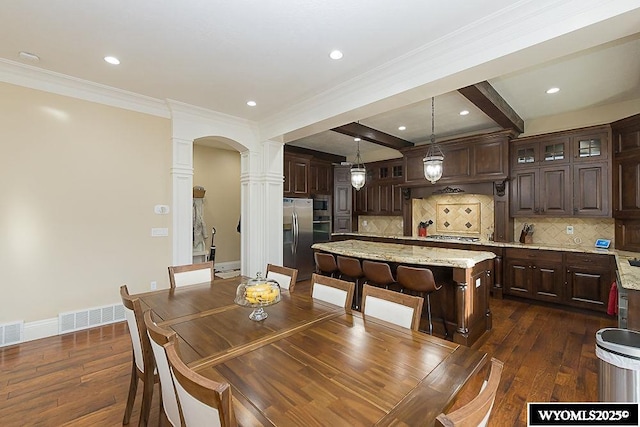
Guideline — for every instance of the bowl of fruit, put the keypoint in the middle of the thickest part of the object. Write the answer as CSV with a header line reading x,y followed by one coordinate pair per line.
x,y
258,293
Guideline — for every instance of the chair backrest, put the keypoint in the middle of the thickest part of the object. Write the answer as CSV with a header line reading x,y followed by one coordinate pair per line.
x,y
378,273
285,276
349,266
158,337
416,279
332,290
182,275
137,329
202,400
393,307
325,263
478,410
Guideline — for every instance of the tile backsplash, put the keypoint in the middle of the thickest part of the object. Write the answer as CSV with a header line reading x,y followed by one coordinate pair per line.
x,y
458,214
383,225
553,231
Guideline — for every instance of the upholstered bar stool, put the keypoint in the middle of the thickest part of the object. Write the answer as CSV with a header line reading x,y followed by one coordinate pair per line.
x,y
378,274
421,282
350,269
325,264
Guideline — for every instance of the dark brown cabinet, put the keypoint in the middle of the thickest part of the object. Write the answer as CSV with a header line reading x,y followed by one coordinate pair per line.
x,y
588,280
534,274
568,278
342,199
480,158
296,175
382,193
321,177
561,174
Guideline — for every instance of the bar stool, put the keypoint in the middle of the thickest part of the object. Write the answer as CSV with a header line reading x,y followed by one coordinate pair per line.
x,y
421,282
350,268
325,264
378,274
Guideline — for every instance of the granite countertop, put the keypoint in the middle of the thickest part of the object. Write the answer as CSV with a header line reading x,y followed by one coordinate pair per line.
x,y
397,252
629,275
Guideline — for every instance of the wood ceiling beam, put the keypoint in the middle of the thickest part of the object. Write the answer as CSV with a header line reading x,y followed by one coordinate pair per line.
x,y
369,134
485,97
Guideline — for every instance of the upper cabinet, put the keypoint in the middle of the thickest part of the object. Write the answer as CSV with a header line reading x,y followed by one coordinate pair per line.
x,y
382,193
296,175
479,158
321,177
562,174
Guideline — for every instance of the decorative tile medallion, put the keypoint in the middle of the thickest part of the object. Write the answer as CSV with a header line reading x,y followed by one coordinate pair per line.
x,y
458,217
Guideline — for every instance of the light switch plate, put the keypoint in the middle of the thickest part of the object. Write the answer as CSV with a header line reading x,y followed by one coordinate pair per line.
x,y
159,232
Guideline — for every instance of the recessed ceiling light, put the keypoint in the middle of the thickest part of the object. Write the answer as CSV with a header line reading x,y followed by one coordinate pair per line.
x,y
251,103
29,56
553,90
112,60
335,54
402,128
357,139
464,112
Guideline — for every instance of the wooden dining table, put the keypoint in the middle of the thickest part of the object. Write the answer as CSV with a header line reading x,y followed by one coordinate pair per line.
x,y
312,363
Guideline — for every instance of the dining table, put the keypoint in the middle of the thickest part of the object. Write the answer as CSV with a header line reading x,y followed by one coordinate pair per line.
x,y
310,362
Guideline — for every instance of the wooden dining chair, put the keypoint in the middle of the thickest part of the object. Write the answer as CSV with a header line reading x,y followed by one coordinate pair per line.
x,y
143,366
478,410
393,307
285,276
203,402
183,275
332,290
158,337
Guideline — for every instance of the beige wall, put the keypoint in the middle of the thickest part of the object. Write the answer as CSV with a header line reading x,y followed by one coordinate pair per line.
x,y
79,181
218,171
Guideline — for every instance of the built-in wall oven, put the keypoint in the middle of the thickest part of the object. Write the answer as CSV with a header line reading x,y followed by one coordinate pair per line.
x,y
321,218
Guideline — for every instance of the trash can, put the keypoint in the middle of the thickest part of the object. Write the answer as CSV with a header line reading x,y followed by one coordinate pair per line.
x,y
619,365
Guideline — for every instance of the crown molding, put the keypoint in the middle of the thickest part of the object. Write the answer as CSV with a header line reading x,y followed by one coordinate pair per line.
x,y
61,84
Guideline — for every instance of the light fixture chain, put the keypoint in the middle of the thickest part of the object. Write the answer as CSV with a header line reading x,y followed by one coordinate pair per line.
x,y
433,120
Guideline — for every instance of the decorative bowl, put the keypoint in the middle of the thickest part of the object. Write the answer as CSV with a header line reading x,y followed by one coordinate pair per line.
x,y
258,293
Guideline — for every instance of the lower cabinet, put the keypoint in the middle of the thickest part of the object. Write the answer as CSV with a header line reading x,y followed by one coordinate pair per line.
x,y
574,279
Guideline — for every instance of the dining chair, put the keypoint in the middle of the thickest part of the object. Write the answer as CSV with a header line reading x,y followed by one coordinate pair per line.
x,y
203,402
143,366
421,282
325,264
285,276
477,411
182,275
332,290
393,307
158,337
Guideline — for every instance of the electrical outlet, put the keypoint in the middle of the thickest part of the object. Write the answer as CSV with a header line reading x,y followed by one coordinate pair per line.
x,y
569,229
154,285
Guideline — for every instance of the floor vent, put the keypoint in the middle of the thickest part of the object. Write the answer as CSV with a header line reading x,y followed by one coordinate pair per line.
x,y
83,319
11,333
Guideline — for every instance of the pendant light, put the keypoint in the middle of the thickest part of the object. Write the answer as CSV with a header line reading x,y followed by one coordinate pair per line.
x,y
434,158
358,171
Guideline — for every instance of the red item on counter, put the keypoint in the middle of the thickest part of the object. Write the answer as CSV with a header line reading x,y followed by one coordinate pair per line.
x,y
422,232
612,307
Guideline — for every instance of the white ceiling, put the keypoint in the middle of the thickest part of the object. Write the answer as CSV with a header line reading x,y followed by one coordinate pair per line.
x,y
218,54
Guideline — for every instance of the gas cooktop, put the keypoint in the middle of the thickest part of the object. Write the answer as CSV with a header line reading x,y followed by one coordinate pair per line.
x,y
454,238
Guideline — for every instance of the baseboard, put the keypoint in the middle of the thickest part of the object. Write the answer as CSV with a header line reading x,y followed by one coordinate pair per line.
x,y
226,266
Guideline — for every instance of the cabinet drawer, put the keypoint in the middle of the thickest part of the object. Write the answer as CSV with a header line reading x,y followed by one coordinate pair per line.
x,y
533,254
591,260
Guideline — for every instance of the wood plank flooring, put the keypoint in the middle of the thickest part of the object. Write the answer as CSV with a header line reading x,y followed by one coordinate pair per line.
x,y
82,379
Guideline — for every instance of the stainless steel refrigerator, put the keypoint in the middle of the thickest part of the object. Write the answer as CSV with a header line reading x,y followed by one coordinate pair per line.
x,y
298,236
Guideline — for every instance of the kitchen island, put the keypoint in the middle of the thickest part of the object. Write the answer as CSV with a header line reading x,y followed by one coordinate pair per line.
x,y
467,276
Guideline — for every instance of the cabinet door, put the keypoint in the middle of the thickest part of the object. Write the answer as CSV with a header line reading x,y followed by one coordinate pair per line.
x,y
626,185
547,280
342,224
555,192
490,159
589,280
590,147
524,193
296,176
384,199
396,199
321,178
591,189
456,164
518,277
360,201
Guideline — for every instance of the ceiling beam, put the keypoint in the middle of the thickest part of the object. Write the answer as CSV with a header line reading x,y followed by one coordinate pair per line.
x,y
369,134
321,155
485,97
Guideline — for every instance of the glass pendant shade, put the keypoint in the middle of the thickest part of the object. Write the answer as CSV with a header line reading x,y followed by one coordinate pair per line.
x,y
358,172
435,157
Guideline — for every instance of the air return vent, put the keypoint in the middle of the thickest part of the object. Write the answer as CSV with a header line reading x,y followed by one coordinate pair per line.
x,y
11,333
83,319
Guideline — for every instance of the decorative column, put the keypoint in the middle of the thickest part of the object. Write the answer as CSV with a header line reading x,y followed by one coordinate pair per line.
x,y
182,180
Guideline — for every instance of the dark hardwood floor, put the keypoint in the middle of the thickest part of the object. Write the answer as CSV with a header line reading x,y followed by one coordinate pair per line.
x,y
82,379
